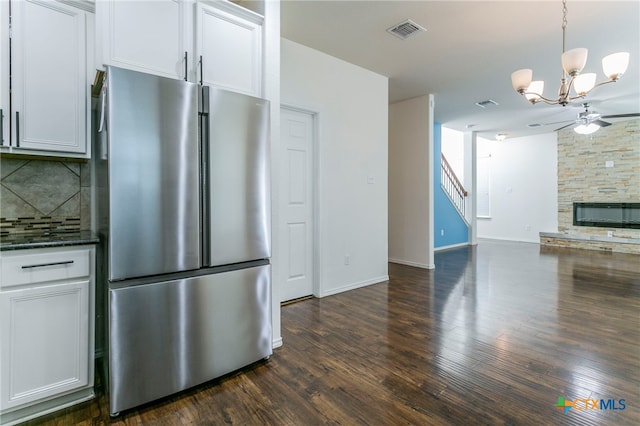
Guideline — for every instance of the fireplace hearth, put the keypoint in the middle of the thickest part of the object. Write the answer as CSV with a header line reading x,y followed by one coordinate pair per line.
x,y
607,215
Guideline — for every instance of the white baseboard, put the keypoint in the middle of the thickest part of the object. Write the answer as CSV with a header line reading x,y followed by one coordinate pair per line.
x,y
276,343
452,246
414,264
355,285
515,240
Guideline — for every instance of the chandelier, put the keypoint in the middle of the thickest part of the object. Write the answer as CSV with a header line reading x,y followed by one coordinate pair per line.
x,y
573,61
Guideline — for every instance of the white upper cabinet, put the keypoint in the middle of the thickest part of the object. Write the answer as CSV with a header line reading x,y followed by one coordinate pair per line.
x,y
213,42
146,36
229,41
49,87
48,76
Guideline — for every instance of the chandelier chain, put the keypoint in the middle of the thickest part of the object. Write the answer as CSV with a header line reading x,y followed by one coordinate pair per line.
x,y
564,23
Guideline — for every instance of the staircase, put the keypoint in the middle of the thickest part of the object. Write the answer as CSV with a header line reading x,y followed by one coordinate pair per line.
x,y
453,188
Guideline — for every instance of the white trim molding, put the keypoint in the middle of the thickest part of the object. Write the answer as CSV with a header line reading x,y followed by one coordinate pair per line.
x,y
354,286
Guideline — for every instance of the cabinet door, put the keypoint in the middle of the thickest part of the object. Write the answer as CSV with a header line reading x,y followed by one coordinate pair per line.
x,y
230,44
4,73
146,36
44,342
48,73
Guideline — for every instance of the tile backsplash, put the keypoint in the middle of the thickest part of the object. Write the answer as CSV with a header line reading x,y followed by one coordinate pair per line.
x,y
44,195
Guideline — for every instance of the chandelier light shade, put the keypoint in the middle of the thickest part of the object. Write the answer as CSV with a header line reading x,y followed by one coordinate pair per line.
x,y
584,83
573,62
534,91
615,65
521,80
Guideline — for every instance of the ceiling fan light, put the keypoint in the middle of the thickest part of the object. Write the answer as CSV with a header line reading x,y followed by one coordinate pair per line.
x,y
521,79
586,130
534,91
584,83
574,60
615,65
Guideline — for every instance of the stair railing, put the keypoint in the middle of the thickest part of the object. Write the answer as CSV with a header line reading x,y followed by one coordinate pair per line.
x,y
453,187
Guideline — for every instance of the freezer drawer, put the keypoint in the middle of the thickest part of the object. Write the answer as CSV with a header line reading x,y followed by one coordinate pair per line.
x,y
239,197
168,336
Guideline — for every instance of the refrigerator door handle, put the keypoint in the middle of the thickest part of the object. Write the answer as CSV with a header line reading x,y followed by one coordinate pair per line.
x,y
103,102
17,129
205,226
201,74
186,62
1,128
102,142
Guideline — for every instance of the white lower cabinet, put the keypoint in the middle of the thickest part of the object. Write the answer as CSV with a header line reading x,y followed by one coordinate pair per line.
x,y
46,330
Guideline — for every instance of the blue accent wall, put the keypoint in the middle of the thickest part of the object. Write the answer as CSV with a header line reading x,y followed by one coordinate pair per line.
x,y
446,217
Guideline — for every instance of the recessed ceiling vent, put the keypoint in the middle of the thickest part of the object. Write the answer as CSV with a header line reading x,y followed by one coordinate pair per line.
x,y
534,125
487,104
406,29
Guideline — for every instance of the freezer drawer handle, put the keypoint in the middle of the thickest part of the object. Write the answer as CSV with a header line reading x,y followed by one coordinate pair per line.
x,y
41,265
1,128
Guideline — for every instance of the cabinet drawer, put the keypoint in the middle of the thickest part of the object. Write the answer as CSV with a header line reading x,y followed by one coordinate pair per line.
x,y
37,266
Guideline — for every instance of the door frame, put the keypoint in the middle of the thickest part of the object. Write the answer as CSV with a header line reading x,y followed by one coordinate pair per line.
x,y
315,188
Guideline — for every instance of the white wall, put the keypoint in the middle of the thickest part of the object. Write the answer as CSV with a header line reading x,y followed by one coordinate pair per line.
x,y
271,86
352,108
453,148
523,187
411,182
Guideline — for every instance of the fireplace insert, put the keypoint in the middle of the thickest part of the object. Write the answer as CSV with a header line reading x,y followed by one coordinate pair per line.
x,y
607,215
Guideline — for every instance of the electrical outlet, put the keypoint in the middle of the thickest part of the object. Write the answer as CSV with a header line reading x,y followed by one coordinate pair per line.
x,y
347,259
442,232
609,233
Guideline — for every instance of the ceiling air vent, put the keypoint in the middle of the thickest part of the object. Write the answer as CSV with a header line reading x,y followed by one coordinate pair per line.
x,y
533,125
406,29
487,104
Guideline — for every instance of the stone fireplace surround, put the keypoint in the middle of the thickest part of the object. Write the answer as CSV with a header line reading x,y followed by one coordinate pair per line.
x,y
601,167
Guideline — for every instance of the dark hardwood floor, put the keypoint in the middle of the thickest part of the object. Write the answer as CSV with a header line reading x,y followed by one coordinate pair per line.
x,y
494,335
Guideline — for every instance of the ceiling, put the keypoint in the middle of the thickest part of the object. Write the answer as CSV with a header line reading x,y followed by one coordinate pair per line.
x,y
471,48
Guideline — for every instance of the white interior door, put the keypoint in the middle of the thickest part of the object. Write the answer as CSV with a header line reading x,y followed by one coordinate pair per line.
x,y
297,195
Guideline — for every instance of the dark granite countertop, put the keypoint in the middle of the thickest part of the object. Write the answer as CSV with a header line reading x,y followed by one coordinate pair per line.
x,y
47,239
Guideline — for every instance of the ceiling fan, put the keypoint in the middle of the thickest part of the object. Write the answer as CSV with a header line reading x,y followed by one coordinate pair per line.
x,y
589,121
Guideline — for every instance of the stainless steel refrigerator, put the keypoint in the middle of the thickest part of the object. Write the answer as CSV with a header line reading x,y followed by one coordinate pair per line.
x,y
184,216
